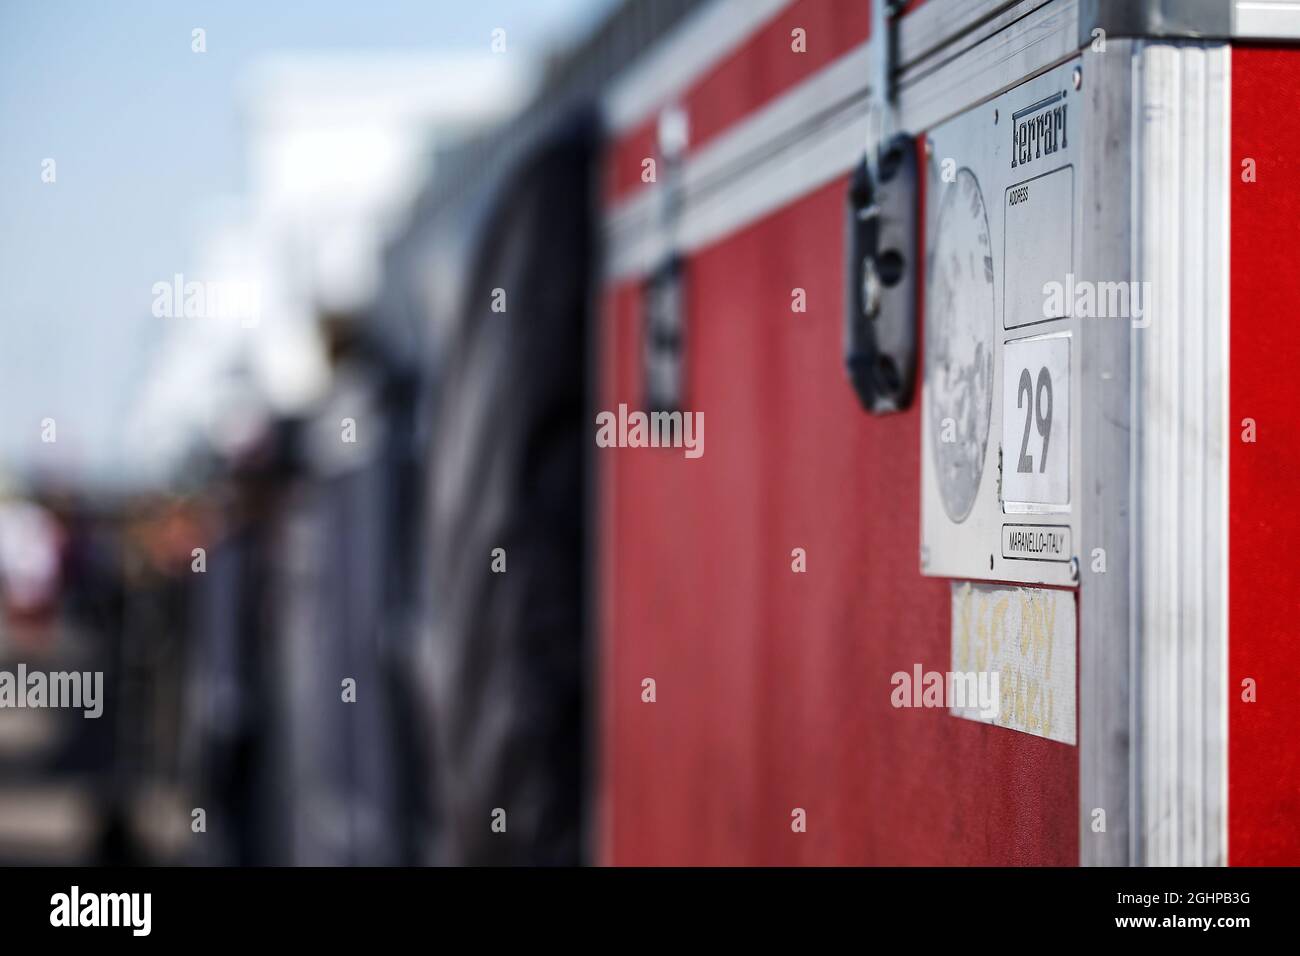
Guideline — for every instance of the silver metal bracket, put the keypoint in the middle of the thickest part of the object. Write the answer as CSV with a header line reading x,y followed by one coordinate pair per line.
x,y
1188,19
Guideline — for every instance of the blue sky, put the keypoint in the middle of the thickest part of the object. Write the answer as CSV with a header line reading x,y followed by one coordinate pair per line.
x,y
144,132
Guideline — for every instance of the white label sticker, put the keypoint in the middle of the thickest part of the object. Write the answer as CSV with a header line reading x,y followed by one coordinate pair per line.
x,y
1036,423
1039,238
1019,645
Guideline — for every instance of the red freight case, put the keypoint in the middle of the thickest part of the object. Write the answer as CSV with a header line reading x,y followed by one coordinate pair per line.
x,y
979,311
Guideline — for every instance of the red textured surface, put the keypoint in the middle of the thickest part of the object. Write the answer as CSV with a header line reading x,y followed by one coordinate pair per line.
x,y
773,687
1264,522
759,70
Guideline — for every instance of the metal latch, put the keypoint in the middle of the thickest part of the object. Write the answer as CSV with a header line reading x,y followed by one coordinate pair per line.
x,y
881,249
663,296
664,320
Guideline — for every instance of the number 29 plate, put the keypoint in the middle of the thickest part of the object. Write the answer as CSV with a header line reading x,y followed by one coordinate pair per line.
x,y
1003,417
1036,424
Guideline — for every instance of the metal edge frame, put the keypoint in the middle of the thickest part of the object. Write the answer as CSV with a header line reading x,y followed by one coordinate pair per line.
x,y
818,130
1192,19
1017,51
939,23
793,145
1266,19
696,45
804,138
931,29
927,42
1104,644
942,45
1181,121
1155,18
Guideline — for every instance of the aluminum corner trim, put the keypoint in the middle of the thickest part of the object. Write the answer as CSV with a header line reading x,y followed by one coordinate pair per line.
x,y
1186,19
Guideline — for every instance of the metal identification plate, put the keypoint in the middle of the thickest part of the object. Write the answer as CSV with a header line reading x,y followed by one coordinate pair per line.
x,y
1000,449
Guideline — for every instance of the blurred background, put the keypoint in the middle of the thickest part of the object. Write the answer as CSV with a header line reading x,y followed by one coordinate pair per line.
x,y
256,438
